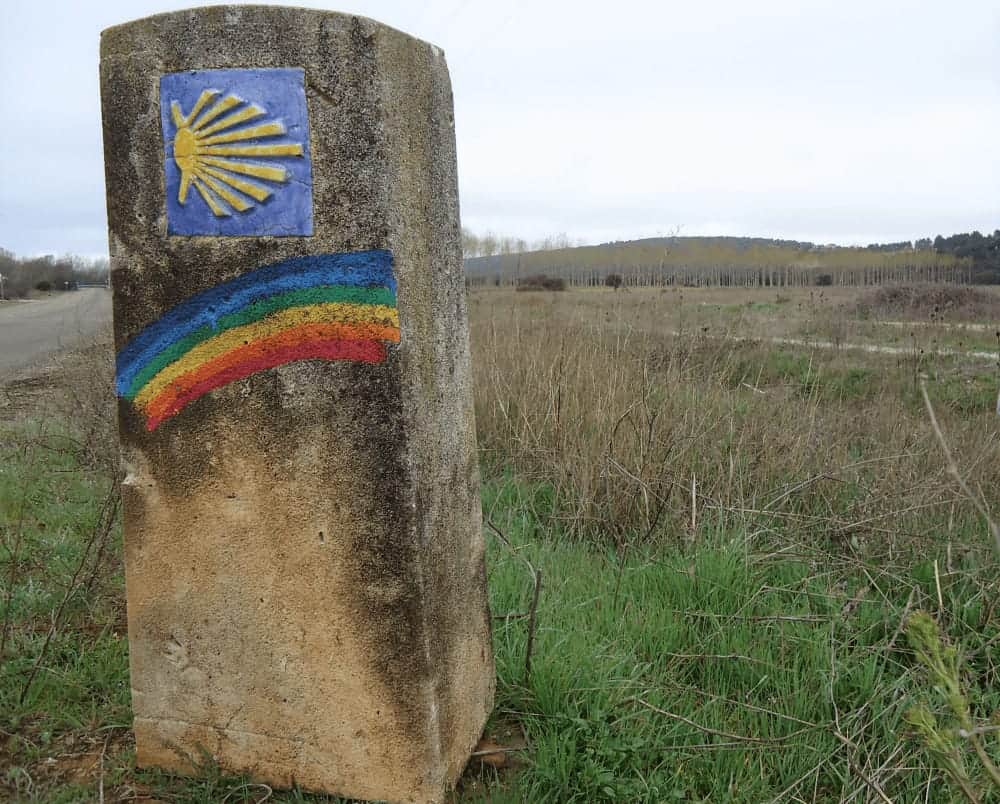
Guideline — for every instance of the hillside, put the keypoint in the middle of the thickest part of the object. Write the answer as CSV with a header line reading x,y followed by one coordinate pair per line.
x,y
724,261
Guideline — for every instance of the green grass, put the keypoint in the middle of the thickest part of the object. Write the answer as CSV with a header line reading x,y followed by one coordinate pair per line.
x,y
936,337
732,664
751,659
829,377
821,376
50,507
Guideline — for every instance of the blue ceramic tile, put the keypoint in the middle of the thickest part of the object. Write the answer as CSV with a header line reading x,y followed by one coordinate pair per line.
x,y
236,152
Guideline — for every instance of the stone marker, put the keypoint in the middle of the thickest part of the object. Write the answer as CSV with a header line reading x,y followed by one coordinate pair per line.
x,y
304,559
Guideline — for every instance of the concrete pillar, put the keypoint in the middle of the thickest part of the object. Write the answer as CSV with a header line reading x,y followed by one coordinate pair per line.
x,y
304,559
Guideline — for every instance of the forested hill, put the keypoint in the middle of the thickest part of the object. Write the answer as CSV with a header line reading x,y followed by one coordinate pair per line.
x,y
746,262
738,243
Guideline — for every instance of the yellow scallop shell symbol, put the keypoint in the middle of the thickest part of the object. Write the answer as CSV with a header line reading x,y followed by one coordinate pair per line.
x,y
213,156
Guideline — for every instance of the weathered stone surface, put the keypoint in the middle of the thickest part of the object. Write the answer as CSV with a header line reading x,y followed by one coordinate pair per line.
x,y
304,560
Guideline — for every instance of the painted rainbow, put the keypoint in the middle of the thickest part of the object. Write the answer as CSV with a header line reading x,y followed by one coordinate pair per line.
x,y
321,307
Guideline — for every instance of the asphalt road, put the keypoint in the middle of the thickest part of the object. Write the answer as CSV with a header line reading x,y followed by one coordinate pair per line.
x,y
33,330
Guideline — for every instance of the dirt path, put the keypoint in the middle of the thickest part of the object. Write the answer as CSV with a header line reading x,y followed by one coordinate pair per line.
x,y
879,349
31,331
972,354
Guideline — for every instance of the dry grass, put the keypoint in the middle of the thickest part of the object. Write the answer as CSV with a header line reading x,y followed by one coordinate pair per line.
x,y
75,388
645,432
931,303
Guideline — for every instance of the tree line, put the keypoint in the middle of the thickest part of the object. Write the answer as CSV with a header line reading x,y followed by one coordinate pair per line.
x,y
503,260
23,275
983,251
738,262
491,243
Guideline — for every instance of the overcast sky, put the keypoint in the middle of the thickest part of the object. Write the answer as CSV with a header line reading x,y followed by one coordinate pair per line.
x,y
844,121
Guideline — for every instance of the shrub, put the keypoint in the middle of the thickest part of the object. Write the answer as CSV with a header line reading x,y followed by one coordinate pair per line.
x,y
932,302
541,282
44,286
613,281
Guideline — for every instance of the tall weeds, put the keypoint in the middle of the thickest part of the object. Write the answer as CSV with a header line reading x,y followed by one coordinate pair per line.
x,y
654,431
639,425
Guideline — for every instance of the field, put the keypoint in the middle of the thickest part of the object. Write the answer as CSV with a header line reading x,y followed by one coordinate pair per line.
x,y
739,511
